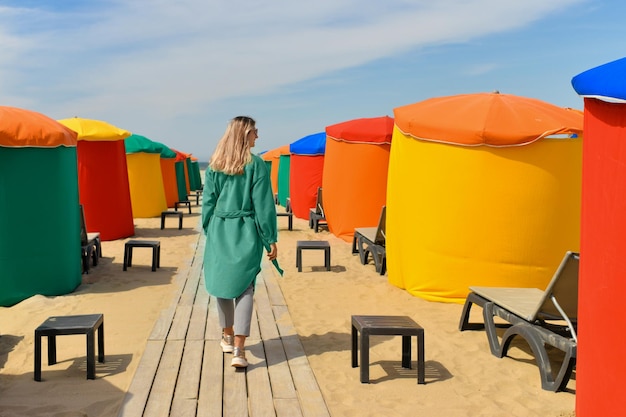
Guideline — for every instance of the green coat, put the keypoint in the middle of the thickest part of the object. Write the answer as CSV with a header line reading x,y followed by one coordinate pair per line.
x,y
239,220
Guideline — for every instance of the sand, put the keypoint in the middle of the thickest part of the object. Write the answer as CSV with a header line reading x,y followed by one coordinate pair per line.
x,y
462,377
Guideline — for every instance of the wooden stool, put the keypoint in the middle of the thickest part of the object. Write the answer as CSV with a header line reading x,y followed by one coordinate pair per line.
x,y
172,213
63,325
182,203
387,325
312,244
156,252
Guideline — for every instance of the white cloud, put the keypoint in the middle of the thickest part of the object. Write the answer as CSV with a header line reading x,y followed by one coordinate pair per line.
x,y
165,57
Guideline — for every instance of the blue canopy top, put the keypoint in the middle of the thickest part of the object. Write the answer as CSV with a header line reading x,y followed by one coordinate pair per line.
x,y
314,144
606,82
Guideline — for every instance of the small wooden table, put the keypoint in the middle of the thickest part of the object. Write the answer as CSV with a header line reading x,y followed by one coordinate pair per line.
x,y
156,252
63,325
312,244
387,325
172,213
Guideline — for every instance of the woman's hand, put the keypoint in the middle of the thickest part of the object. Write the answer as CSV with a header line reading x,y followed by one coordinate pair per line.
x,y
273,252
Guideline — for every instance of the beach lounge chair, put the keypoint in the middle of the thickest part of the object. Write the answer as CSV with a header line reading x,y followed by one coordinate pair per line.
x,y
542,318
316,214
91,246
371,240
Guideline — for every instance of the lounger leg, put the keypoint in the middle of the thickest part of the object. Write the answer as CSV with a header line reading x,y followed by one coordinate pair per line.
x,y
464,324
490,328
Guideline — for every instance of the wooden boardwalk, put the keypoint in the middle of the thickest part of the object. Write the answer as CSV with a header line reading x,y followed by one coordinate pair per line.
x,y
183,371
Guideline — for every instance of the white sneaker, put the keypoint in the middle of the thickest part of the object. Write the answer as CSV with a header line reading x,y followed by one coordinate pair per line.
x,y
239,358
227,343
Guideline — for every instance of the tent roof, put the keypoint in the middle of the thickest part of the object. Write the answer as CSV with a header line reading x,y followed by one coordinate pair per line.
x,y
314,144
25,128
375,130
605,82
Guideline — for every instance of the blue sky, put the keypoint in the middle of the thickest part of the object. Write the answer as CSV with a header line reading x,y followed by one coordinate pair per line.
x,y
178,71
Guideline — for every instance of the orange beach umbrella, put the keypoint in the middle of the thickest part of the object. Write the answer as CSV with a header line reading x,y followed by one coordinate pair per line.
x,y
491,119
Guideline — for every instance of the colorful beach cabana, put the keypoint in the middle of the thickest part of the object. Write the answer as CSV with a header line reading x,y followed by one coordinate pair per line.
x,y
601,287
182,175
273,156
355,173
168,171
40,239
307,167
284,172
145,179
103,177
484,190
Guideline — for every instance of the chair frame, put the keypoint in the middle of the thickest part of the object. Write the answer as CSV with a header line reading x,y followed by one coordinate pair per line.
x,y
371,240
91,246
537,328
317,217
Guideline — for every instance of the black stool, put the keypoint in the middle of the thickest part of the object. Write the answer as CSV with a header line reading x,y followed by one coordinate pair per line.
x,y
312,244
182,203
387,325
156,252
62,325
172,213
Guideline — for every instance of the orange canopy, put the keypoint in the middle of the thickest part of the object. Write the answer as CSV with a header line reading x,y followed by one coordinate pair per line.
x,y
492,119
26,128
274,156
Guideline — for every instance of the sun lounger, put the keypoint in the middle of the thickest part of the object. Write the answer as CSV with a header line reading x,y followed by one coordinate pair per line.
x,y
316,214
542,318
91,246
368,240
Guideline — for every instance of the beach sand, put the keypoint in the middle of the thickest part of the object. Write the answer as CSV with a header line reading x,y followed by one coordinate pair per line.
x,y
462,377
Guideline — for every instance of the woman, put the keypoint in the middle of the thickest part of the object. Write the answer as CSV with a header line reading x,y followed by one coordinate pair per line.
x,y
239,220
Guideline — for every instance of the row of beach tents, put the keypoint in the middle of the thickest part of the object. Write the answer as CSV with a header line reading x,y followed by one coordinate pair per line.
x,y
48,168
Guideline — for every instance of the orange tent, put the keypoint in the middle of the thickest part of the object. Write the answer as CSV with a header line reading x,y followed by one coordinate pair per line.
x,y
274,157
355,173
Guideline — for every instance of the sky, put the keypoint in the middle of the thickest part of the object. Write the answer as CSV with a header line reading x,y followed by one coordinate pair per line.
x,y
178,71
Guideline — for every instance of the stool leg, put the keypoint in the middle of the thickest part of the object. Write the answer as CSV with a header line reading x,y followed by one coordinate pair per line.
x,y
125,258
162,221
365,356
355,337
180,222
406,352
291,222
421,371
101,343
37,375
154,258
190,207
327,258
299,259
159,256
91,355
130,256
52,350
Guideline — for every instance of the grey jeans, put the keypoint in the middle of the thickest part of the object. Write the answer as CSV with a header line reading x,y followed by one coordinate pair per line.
x,y
237,312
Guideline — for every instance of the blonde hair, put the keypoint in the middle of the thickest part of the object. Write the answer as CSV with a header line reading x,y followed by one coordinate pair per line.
x,y
233,150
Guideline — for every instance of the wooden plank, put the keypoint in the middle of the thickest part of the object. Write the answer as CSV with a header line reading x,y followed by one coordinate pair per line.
x,y
162,326
270,276
278,370
184,407
255,333
189,375
309,393
259,389
287,407
213,329
180,323
235,395
211,380
139,389
162,392
265,315
197,324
